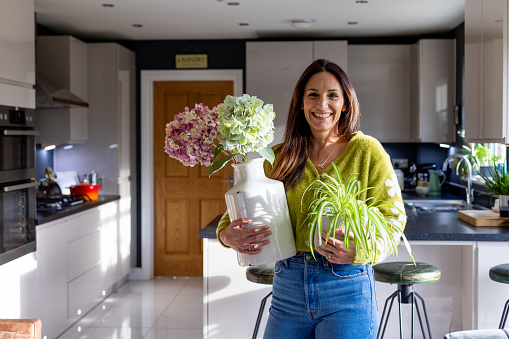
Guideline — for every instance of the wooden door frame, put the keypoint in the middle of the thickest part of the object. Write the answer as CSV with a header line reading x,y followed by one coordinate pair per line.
x,y
146,271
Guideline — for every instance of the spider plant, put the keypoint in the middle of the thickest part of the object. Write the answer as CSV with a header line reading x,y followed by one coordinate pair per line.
x,y
497,180
341,205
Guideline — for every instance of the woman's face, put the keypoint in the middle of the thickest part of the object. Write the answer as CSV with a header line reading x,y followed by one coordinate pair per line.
x,y
323,102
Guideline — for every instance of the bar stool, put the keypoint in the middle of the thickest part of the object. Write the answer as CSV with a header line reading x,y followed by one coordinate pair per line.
x,y
500,273
260,274
405,274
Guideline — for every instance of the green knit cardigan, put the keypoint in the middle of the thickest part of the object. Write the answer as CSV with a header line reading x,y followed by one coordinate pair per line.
x,y
365,158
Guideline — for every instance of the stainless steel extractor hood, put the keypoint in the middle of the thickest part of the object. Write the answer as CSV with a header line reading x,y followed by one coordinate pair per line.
x,y
49,95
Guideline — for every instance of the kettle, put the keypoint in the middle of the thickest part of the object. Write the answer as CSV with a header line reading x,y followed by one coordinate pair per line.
x,y
436,180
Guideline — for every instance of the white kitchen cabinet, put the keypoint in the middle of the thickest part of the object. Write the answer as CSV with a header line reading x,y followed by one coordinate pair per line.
x,y
273,68
77,265
406,92
110,148
486,48
381,76
433,91
63,60
17,53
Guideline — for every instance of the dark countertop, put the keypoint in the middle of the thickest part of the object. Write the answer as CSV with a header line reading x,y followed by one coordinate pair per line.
x,y
442,226
51,215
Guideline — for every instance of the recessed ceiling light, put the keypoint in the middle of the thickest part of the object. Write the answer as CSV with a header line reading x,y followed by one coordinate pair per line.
x,y
302,23
243,24
361,2
108,5
352,22
137,25
233,3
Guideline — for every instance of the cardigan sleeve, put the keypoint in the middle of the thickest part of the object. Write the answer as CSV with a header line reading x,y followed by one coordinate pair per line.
x,y
385,194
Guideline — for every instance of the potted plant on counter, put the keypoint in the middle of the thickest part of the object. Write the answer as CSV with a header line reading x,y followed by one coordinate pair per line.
x,y
497,181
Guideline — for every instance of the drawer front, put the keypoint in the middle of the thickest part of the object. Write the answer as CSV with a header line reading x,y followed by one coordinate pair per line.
x,y
84,292
83,254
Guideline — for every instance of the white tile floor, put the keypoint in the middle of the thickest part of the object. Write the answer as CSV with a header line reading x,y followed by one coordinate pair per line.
x,y
154,309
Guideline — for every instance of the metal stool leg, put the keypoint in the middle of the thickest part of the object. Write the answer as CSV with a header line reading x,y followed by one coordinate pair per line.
x,y
504,315
391,297
425,315
260,314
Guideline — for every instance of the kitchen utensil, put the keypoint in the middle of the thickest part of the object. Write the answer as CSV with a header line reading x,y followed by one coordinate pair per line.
x,y
48,187
482,218
436,179
92,191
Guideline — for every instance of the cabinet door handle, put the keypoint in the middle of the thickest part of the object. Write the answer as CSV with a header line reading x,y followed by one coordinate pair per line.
x,y
20,132
21,186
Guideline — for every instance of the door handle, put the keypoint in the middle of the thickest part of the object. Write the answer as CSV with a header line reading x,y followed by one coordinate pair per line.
x,y
21,186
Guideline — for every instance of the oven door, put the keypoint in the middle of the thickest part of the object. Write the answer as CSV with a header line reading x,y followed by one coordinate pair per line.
x,y
17,154
17,219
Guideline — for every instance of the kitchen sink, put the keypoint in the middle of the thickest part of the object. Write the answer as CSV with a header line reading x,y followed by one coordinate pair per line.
x,y
415,207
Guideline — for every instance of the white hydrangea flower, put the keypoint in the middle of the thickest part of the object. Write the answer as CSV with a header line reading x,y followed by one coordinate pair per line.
x,y
393,186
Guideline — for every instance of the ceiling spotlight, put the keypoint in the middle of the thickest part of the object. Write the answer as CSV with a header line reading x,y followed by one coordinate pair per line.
x,y
233,3
352,22
243,24
108,5
361,2
302,23
137,25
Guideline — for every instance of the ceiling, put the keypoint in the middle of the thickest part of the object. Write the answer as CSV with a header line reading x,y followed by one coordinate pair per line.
x,y
225,19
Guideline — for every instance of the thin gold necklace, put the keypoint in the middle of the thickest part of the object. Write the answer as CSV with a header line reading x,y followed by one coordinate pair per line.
x,y
323,163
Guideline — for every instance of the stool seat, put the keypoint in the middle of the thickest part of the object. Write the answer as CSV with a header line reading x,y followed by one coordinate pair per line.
x,y
406,273
500,273
261,274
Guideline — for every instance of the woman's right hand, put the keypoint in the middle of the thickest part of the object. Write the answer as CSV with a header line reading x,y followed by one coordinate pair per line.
x,y
247,241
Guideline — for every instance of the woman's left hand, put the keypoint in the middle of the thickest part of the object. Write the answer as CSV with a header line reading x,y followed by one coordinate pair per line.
x,y
335,249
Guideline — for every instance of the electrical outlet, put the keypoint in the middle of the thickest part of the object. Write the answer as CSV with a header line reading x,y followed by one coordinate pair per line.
x,y
400,163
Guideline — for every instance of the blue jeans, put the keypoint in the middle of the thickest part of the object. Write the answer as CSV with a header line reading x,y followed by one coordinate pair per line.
x,y
316,299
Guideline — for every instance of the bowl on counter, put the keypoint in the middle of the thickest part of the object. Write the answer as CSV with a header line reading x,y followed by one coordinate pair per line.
x,y
422,190
90,190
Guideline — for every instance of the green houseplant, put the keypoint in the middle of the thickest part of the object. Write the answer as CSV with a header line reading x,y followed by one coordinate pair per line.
x,y
340,204
497,180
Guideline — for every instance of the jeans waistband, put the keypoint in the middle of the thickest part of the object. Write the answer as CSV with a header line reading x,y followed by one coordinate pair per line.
x,y
310,260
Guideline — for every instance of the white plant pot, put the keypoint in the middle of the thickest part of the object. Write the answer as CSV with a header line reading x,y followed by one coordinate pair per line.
x,y
262,200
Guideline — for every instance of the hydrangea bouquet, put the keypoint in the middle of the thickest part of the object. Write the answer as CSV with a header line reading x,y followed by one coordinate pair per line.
x,y
239,125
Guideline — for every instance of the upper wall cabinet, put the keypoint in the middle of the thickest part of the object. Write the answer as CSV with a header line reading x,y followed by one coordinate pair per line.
x,y
433,91
406,92
63,60
17,53
381,76
273,68
486,116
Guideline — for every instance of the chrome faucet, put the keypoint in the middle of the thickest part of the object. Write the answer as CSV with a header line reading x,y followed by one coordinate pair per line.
x,y
470,196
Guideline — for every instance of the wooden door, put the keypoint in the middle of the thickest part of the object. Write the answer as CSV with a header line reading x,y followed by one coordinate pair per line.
x,y
185,198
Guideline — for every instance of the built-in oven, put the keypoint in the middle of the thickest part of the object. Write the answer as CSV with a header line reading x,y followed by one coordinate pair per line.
x,y
17,182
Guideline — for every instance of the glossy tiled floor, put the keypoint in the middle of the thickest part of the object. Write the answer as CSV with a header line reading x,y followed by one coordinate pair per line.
x,y
155,309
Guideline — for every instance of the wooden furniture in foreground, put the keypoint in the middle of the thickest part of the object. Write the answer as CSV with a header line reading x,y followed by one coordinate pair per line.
x,y
20,328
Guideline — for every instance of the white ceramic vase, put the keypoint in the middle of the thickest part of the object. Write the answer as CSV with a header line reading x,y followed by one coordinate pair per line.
x,y
263,200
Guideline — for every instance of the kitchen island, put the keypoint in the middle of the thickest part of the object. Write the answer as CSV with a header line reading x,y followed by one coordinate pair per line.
x,y
464,298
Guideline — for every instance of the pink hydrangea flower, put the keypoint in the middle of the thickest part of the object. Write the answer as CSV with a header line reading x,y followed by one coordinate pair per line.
x,y
190,136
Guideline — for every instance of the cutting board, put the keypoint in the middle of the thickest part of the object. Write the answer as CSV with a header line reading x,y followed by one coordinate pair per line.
x,y
483,218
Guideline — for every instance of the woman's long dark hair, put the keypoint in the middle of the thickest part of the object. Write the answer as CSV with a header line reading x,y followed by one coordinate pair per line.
x,y
289,166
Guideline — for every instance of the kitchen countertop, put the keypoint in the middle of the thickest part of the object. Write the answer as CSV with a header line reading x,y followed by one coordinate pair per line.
x,y
51,215
441,226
